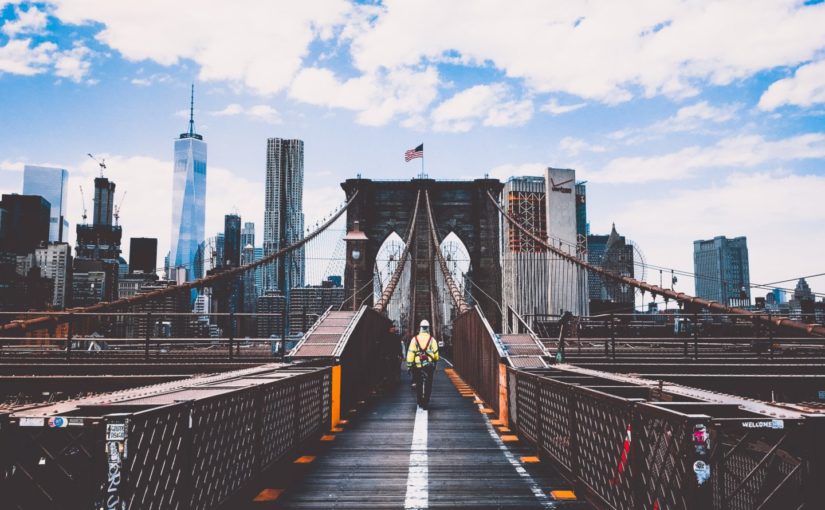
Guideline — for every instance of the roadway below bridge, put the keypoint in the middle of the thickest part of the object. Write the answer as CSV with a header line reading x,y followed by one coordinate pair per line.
x,y
389,454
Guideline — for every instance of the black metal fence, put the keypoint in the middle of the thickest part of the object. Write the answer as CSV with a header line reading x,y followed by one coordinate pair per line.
x,y
190,447
636,447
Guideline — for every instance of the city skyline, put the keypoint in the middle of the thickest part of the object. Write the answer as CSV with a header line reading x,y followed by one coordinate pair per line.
x,y
736,146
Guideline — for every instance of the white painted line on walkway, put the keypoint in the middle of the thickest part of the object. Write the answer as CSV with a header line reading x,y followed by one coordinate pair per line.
x,y
418,476
531,483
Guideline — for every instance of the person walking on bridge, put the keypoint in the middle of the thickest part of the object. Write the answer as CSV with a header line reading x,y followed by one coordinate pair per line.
x,y
422,357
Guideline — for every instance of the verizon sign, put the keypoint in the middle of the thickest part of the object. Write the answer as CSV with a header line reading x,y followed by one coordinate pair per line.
x,y
559,186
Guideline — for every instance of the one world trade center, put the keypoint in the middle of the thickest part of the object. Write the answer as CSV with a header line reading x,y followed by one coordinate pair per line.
x,y
188,203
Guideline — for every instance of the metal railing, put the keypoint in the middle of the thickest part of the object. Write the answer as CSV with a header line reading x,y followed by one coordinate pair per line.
x,y
154,335
190,444
635,446
477,354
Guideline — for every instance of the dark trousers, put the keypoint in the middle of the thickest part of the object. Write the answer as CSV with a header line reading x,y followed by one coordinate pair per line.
x,y
423,378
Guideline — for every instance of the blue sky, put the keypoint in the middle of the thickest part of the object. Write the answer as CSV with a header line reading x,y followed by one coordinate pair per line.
x,y
688,119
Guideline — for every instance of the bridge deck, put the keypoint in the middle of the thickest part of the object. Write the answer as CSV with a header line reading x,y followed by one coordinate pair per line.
x,y
462,461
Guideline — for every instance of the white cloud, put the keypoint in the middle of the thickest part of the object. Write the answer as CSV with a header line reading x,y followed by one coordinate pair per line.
x,y
806,87
693,117
490,105
73,63
31,21
601,50
377,97
19,56
261,112
744,151
142,82
260,44
690,117
772,209
574,146
11,166
553,107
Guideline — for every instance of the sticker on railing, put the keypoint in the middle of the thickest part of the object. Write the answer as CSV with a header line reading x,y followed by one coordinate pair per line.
x,y
58,422
115,431
770,424
701,446
27,421
702,470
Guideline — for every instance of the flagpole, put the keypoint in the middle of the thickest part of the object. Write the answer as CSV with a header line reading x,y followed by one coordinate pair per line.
x,y
422,163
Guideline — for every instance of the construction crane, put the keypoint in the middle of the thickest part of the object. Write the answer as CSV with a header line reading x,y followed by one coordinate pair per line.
x,y
118,206
83,201
101,163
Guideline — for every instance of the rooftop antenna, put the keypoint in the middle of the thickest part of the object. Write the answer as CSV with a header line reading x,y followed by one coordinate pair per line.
x,y
101,163
192,111
83,201
117,208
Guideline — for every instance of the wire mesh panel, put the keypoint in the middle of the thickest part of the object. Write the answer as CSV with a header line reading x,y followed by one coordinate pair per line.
x,y
669,454
47,467
157,464
664,452
556,405
278,410
603,439
223,446
759,468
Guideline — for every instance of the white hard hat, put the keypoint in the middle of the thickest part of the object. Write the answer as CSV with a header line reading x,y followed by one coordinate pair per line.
x,y
425,323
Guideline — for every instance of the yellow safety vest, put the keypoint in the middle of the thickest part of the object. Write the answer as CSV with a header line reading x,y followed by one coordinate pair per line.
x,y
423,350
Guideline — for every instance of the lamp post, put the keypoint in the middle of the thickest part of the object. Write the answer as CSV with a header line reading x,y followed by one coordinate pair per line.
x,y
356,260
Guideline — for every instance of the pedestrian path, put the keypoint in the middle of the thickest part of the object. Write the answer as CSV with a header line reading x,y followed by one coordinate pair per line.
x,y
390,454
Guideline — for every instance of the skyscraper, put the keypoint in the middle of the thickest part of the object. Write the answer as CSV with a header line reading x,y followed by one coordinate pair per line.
x,y
143,255
51,184
567,291
25,224
231,240
615,254
525,275
54,261
248,234
721,270
101,239
188,198
284,212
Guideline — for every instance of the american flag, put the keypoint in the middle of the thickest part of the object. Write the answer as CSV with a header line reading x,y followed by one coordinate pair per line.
x,y
411,154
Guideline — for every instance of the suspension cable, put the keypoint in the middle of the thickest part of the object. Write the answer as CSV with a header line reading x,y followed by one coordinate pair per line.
x,y
458,297
208,281
388,291
656,290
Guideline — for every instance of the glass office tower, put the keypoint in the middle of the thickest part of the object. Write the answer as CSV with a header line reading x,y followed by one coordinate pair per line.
x,y
51,184
188,200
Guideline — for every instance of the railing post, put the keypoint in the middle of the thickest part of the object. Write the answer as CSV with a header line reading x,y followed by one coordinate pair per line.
x,y
231,332
770,335
608,326
684,337
148,334
285,318
813,486
695,335
304,319
69,337
613,336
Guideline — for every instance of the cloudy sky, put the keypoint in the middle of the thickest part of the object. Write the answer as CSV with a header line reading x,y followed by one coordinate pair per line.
x,y
688,119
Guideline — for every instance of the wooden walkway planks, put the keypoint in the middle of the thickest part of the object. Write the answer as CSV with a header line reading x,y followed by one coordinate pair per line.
x,y
368,464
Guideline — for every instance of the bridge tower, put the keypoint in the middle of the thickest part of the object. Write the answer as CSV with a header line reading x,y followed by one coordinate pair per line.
x,y
462,207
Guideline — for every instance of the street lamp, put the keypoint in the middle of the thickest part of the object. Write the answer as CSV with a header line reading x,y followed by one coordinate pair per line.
x,y
356,244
